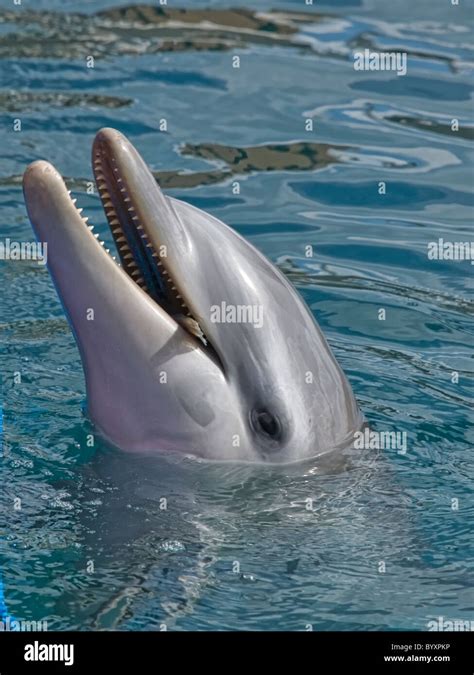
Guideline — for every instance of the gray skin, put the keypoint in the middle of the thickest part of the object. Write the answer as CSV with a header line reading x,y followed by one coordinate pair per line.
x,y
273,393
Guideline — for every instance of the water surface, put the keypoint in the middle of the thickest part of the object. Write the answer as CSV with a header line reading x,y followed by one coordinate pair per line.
x,y
379,540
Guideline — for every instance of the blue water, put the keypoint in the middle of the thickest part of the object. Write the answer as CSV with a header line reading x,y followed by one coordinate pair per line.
x,y
386,541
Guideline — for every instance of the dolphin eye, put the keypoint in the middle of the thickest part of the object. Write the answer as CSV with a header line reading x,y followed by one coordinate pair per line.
x,y
264,422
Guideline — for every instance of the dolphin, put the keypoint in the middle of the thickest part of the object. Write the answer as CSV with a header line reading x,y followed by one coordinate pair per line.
x,y
196,343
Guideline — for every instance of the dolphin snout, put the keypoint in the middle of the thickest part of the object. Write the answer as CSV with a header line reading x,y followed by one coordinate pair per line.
x,y
110,142
37,172
47,199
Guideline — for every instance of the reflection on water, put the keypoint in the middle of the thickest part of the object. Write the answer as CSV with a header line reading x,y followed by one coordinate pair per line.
x,y
371,540
27,101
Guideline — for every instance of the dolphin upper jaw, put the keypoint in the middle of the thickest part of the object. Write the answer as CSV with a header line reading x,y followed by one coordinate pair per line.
x,y
160,373
129,197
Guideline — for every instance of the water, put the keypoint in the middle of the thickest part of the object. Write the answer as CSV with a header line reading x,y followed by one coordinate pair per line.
x,y
384,539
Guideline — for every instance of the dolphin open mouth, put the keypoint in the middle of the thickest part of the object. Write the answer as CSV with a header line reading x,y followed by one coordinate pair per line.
x,y
142,255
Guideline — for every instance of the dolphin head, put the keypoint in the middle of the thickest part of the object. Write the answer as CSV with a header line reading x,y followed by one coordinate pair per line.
x,y
195,342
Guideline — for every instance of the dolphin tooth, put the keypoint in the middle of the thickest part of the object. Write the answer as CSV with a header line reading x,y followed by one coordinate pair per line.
x,y
191,325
